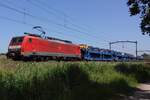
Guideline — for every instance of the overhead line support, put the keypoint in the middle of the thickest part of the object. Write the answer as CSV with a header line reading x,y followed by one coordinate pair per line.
x,y
135,42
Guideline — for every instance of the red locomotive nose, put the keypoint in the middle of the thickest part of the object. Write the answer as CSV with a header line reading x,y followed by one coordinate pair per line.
x,y
14,49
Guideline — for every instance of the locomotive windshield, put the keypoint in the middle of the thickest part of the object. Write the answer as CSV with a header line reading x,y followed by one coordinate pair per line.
x,y
16,40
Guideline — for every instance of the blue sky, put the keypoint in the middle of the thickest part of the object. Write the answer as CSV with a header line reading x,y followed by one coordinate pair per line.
x,y
96,22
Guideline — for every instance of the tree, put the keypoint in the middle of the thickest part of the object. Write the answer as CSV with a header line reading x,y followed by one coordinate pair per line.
x,y
142,8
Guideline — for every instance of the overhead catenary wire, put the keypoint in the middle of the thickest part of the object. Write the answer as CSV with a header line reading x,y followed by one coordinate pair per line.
x,y
15,20
21,22
65,24
73,29
58,12
29,24
64,14
38,18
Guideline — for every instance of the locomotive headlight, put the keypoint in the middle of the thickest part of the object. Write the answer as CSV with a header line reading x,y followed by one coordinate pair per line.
x,y
14,47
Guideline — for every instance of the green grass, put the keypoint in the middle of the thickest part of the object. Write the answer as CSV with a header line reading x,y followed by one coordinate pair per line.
x,y
68,80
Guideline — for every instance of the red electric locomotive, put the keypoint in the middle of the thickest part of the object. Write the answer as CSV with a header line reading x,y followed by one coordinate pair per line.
x,y
32,46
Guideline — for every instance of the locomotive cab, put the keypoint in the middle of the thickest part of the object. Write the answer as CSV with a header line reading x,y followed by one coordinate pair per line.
x,y
14,49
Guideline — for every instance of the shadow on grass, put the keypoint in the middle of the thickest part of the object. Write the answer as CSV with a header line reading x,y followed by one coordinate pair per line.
x,y
140,72
73,83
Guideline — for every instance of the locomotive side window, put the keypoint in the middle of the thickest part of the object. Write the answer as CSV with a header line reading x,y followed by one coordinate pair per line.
x,y
30,40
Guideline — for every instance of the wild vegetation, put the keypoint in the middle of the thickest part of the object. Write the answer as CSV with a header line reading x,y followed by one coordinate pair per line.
x,y
69,80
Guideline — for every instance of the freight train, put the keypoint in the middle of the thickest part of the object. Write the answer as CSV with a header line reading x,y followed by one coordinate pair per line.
x,y
35,47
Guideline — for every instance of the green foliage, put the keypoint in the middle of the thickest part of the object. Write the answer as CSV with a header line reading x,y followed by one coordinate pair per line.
x,y
67,80
141,7
140,71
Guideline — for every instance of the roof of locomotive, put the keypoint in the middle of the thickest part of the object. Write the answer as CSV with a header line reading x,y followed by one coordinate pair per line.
x,y
48,38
